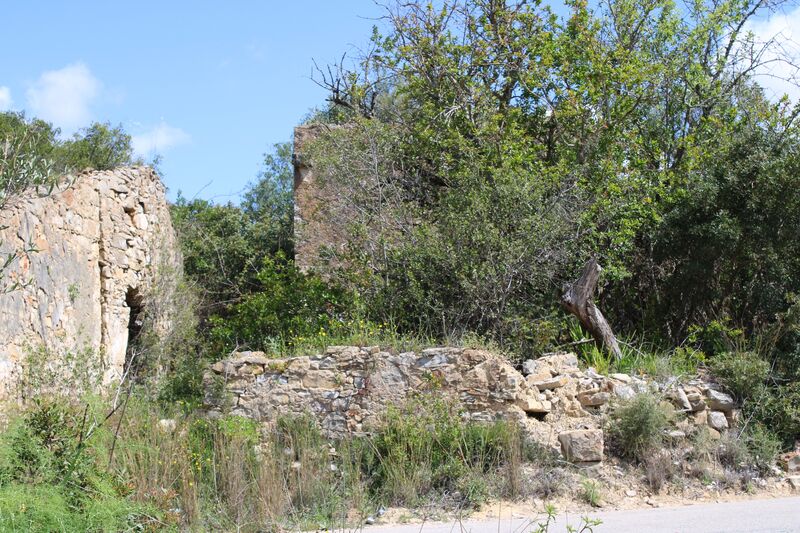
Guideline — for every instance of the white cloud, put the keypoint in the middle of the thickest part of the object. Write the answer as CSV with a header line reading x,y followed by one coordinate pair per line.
x,y
160,138
780,75
64,96
5,98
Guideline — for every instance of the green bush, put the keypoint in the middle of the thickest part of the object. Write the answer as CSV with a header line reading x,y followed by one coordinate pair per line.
x,y
287,307
636,426
425,448
763,447
52,476
742,373
777,408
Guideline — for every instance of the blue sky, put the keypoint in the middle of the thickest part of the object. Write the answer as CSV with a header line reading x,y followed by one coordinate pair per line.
x,y
208,85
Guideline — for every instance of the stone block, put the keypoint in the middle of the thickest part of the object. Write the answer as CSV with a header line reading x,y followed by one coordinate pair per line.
x,y
582,446
719,401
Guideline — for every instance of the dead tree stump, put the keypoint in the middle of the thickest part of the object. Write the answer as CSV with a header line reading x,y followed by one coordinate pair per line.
x,y
578,300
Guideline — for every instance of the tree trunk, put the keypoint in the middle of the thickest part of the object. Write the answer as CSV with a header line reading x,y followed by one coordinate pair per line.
x,y
578,300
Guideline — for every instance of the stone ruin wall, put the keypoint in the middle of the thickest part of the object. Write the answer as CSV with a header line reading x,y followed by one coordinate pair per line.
x,y
317,207
348,389
101,243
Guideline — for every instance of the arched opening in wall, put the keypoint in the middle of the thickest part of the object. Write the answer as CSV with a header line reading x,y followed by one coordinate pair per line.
x,y
135,303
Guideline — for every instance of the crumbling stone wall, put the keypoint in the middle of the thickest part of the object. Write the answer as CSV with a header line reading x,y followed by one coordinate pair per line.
x,y
100,244
348,388
318,210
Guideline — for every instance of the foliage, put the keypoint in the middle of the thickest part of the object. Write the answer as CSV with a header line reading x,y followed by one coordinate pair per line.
x,y
491,147
26,155
778,409
590,492
636,426
742,373
763,446
286,305
100,146
51,478
224,245
425,448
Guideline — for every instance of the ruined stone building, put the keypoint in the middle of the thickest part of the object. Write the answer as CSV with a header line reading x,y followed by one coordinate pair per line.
x,y
97,247
318,234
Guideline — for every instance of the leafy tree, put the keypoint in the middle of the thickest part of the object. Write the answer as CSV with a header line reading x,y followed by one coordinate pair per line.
x,y
224,245
100,146
27,156
504,145
287,305
268,203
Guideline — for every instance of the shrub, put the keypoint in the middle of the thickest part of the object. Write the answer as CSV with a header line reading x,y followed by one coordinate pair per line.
x,y
288,305
426,448
742,373
658,469
636,426
778,409
763,447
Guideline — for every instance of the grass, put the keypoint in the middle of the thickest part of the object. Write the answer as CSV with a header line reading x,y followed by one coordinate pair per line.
x,y
590,492
232,474
638,356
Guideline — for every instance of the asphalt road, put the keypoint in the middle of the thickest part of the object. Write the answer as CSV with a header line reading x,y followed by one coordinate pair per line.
x,y
762,516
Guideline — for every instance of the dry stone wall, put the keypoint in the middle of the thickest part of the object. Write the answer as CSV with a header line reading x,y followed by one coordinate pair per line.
x,y
348,388
100,244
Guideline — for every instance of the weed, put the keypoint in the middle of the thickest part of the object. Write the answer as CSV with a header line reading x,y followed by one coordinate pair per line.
x,y
636,426
742,373
658,469
590,492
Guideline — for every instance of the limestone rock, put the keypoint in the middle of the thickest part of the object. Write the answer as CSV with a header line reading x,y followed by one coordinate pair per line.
x,y
719,401
695,398
593,398
717,420
552,383
791,462
582,446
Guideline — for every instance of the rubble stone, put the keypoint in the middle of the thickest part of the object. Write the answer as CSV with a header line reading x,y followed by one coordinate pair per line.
x,y
582,446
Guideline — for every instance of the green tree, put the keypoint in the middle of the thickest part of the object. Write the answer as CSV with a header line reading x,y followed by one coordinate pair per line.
x,y
521,143
100,146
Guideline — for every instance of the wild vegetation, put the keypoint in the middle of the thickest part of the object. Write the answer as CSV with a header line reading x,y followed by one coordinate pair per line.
x,y
490,149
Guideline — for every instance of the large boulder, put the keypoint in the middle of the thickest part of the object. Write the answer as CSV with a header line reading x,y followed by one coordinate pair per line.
x,y
582,445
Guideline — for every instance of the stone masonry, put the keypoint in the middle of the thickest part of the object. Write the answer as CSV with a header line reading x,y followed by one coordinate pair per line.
x,y
318,211
348,388
98,246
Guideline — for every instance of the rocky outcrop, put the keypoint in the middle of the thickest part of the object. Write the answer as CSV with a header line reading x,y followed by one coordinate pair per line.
x,y
98,247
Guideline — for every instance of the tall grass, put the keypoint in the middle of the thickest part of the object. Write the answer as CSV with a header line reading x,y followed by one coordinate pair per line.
x,y
232,474
639,356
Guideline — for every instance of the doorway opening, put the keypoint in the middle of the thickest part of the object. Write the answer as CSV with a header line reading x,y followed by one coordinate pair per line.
x,y
135,304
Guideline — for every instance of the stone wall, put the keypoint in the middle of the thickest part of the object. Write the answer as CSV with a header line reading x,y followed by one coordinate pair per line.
x,y
318,228
100,244
348,388
556,403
